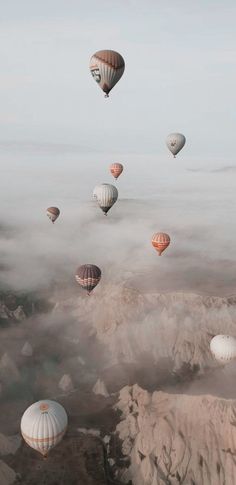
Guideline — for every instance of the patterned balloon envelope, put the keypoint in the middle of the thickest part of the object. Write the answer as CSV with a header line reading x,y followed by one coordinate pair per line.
x,y
107,67
160,241
88,276
116,169
53,213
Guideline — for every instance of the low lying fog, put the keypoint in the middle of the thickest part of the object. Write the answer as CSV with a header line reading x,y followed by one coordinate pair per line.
x,y
155,194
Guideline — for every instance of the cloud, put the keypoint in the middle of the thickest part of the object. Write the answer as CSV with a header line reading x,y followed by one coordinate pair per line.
x,y
230,168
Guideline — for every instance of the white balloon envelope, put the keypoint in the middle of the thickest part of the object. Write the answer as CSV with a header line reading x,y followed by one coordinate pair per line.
x,y
106,195
223,347
43,425
175,142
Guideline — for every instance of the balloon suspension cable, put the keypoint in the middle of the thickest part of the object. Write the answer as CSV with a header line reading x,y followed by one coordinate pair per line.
x,y
88,293
159,253
106,95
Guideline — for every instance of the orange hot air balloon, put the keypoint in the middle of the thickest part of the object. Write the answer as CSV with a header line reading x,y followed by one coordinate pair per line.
x,y
116,169
160,241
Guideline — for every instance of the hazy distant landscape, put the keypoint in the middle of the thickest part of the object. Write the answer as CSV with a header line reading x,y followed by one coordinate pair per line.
x,y
148,323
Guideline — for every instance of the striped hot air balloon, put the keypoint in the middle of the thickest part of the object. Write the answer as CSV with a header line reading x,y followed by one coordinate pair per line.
x,y
43,425
160,241
53,213
106,195
88,276
107,67
116,169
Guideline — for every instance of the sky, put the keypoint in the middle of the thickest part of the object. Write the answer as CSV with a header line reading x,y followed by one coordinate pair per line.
x,y
58,136
180,76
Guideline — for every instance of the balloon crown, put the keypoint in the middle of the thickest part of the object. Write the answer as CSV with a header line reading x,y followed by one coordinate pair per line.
x,y
43,407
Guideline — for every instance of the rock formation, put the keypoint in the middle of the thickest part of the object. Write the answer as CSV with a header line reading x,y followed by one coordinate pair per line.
x,y
178,439
66,383
100,388
27,350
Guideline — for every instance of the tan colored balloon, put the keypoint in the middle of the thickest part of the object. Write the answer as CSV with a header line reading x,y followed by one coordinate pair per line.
x,y
53,213
116,169
107,67
160,241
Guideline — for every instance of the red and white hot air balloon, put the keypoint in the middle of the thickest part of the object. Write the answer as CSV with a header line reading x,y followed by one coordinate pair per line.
x,y
116,169
160,241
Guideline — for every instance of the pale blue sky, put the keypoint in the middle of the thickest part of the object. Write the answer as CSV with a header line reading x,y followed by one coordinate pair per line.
x,y
180,75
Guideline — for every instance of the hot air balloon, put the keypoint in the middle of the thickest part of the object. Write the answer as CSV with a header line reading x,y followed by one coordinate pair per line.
x,y
107,67
223,347
116,169
106,195
53,213
160,241
175,142
88,276
43,425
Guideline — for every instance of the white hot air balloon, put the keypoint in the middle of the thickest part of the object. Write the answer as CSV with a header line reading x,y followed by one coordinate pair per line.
x,y
106,195
175,142
223,347
43,425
